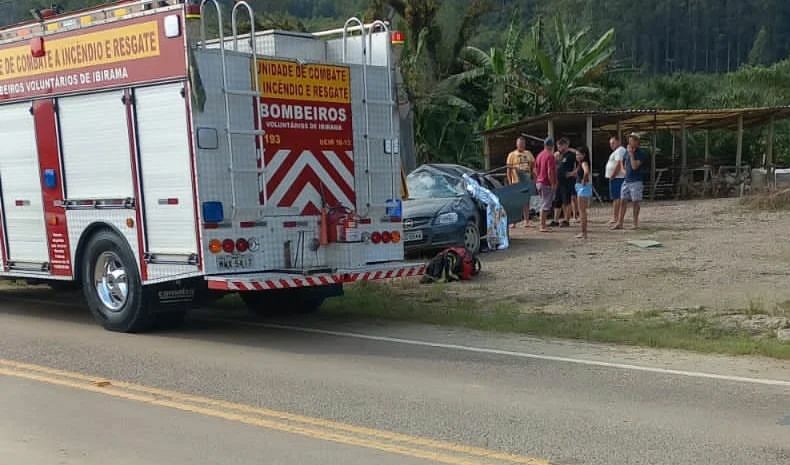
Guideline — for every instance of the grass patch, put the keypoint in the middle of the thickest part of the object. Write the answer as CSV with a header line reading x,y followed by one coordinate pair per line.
x,y
433,306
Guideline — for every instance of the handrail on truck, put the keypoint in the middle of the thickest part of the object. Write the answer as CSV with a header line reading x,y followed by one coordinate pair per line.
x,y
361,27
256,83
228,132
390,97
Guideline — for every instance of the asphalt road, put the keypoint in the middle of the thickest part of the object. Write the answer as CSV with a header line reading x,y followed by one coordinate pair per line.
x,y
232,391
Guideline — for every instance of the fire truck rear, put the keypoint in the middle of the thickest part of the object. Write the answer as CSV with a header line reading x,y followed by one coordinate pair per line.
x,y
150,164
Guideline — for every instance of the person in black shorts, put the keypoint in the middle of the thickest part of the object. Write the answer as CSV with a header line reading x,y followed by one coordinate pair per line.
x,y
567,179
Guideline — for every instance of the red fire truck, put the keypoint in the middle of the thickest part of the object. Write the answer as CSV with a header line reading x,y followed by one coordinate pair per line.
x,y
148,163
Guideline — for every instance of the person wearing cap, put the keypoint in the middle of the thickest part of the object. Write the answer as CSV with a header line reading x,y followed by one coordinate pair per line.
x,y
633,184
520,166
546,180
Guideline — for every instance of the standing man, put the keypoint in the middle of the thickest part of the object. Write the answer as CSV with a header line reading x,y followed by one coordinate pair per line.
x,y
633,184
615,173
520,164
567,179
546,180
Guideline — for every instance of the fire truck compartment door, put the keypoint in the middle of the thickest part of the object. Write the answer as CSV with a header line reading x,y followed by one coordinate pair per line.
x,y
21,187
94,135
166,171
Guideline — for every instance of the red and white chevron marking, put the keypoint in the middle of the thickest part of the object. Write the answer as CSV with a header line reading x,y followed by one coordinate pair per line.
x,y
270,282
305,179
385,274
263,284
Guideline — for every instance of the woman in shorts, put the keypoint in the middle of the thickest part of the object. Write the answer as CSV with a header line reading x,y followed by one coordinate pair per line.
x,y
584,190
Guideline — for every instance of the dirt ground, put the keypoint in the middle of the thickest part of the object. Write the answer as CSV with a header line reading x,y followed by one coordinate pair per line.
x,y
717,257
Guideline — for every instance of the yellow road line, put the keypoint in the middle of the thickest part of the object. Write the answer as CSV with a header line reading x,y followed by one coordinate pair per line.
x,y
452,454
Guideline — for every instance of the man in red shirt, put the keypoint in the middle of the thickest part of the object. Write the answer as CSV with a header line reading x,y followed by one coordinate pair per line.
x,y
546,174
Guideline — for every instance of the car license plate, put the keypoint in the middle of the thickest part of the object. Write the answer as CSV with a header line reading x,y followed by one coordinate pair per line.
x,y
412,236
234,262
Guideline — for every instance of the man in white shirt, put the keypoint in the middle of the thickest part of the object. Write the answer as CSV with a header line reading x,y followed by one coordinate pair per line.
x,y
615,173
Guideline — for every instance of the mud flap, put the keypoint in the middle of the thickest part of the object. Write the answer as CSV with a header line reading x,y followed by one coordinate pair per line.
x,y
182,294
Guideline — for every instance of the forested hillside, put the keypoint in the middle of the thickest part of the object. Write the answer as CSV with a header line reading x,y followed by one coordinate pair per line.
x,y
470,65
658,36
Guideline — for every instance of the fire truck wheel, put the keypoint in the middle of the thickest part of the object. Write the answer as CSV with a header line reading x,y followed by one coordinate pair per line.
x,y
112,286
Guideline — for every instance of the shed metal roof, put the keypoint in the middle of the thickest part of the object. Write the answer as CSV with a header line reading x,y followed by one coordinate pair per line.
x,y
649,119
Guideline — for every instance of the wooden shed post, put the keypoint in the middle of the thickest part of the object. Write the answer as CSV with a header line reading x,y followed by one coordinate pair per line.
x,y
739,151
487,152
653,159
619,131
551,128
769,149
707,146
684,181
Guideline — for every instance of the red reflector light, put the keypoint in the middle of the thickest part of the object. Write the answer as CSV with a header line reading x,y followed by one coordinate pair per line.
x,y
290,224
242,245
247,224
386,237
395,237
365,221
375,237
228,245
210,225
398,37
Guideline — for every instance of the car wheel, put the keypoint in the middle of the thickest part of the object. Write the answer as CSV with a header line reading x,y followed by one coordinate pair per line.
x,y
472,238
112,285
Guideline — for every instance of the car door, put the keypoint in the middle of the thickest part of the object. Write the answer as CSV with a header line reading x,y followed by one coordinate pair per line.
x,y
514,198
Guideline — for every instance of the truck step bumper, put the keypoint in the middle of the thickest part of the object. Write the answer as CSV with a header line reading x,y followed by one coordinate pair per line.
x,y
267,281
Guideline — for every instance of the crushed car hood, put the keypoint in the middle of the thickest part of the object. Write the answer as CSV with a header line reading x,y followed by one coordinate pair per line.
x,y
418,208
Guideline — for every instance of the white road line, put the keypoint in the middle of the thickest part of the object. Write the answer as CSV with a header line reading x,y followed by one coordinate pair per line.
x,y
479,350
509,353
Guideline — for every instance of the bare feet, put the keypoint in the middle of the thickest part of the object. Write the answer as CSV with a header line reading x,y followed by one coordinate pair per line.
x,y
616,227
634,227
581,236
611,222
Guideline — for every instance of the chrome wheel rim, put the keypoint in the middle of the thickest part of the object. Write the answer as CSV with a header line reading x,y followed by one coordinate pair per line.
x,y
109,278
471,238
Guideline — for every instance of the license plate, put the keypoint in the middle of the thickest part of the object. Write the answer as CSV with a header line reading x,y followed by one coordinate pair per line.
x,y
412,236
234,262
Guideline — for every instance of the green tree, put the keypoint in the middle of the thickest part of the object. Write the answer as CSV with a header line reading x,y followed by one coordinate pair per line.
x,y
569,70
759,53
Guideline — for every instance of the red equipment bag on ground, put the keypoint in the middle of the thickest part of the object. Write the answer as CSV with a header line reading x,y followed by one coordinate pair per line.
x,y
452,264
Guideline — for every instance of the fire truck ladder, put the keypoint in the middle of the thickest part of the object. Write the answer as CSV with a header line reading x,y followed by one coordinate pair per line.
x,y
230,131
366,43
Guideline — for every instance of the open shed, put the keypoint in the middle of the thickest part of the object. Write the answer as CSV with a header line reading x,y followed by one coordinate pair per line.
x,y
594,128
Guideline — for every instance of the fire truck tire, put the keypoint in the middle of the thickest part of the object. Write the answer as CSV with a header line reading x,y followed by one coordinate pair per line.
x,y
112,285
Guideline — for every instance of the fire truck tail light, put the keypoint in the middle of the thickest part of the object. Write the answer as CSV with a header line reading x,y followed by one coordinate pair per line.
x,y
395,237
376,238
215,246
242,245
386,237
228,245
